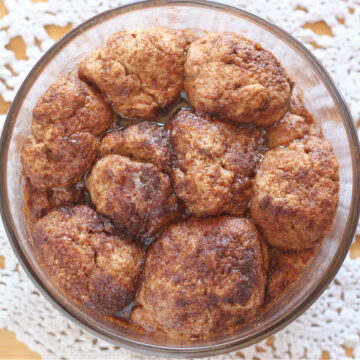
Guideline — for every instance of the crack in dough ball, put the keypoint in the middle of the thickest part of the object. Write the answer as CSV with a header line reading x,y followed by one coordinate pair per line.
x,y
95,268
295,194
146,141
233,78
135,195
214,162
68,107
140,72
201,277
60,162
68,196
265,252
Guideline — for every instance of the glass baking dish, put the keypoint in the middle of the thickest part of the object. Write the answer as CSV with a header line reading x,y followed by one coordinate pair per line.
x,y
321,97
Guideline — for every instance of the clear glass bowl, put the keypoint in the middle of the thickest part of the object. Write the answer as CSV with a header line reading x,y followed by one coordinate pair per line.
x,y
321,97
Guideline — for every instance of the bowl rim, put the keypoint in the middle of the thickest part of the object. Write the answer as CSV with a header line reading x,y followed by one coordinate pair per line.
x,y
226,346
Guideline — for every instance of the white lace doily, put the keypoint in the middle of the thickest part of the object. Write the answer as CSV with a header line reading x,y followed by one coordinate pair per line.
x,y
323,326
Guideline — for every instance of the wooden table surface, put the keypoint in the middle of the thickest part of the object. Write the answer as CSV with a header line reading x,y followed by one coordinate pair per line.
x,y
10,347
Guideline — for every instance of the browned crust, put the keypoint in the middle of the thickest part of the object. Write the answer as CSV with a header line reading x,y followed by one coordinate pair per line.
x,y
135,195
146,141
61,162
70,106
214,162
201,277
231,77
295,194
140,72
96,269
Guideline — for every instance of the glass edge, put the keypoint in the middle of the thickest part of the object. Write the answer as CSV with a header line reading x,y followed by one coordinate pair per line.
x,y
226,346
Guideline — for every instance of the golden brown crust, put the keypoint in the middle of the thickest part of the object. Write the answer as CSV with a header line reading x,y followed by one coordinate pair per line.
x,y
201,277
295,194
135,195
97,269
286,268
140,72
70,106
60,162
214,162
146,141
231,77
296,124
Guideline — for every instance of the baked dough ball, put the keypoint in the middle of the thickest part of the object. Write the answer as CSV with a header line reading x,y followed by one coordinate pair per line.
x,y
290,127
214,162
70,106
231,77
136,196
140,72
286,268
146,141
60,162
39,202
295,194
296,124
96,269
201,277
